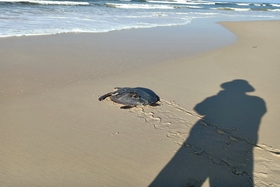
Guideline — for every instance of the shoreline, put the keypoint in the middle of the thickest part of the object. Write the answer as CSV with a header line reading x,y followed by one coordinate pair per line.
x,y
51,60
54,131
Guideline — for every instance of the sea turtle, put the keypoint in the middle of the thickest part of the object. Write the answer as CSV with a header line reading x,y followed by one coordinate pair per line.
x,y
131,97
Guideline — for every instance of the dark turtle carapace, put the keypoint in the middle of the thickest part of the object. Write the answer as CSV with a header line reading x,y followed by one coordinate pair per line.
x,y
131,97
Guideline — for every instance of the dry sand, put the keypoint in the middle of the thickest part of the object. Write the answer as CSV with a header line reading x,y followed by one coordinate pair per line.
x,y
54,132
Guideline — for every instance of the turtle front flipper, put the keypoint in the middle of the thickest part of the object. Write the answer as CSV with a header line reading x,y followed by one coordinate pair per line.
x,y
105,96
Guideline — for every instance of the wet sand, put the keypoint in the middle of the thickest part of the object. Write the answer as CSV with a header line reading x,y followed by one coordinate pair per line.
x,y
217,122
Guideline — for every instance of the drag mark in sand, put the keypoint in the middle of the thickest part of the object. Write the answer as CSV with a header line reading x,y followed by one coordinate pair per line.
x,y
167,118
178,122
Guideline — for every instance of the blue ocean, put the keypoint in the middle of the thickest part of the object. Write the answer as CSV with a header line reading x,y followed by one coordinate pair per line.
x,y
44,17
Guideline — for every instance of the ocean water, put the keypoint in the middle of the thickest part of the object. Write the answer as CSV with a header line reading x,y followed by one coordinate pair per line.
x,y
44,17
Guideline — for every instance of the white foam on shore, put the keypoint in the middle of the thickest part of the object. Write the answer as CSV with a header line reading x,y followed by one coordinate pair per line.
x,y
138,6
182,2
276,5
44,17
46,2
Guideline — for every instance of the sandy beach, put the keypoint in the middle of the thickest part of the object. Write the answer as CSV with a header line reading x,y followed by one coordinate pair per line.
x,y
216,125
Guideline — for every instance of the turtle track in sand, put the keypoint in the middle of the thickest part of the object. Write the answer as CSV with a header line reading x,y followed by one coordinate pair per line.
x,y
177,123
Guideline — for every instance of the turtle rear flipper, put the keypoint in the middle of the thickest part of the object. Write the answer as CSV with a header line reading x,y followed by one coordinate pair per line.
x,y
105,96
126,107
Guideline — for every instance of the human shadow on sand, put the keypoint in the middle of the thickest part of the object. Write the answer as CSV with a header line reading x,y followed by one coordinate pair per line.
x,y
220,145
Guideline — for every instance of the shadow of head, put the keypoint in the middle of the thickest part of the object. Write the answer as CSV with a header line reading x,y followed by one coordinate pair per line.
x,y
237,85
